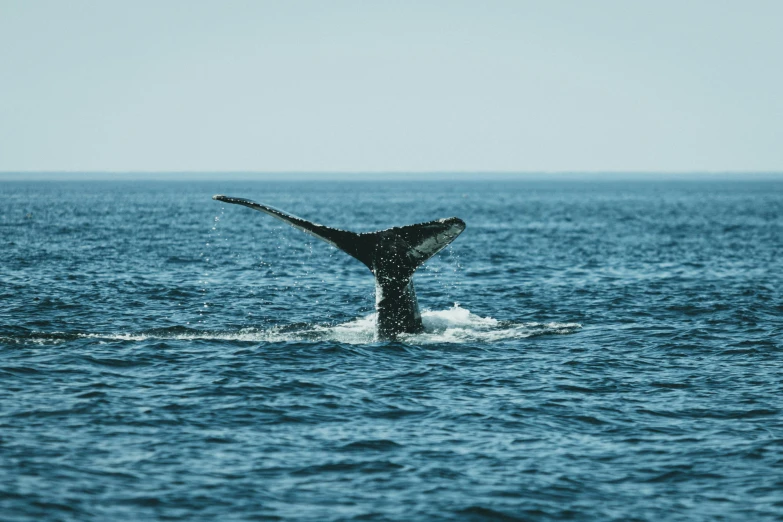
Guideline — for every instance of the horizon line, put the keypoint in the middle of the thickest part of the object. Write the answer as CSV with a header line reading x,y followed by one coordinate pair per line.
x,y
362,172
370,176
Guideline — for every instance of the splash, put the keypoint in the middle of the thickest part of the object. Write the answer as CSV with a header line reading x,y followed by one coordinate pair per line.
x,y
460,325
455,325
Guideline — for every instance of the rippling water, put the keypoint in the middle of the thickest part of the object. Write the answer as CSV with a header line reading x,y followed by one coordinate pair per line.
x,y
593,351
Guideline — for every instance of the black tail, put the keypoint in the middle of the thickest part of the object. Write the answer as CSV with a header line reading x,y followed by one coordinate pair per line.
x,y
419,242
392,255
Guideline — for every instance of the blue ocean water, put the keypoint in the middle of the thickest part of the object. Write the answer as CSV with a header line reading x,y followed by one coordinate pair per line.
x,y
595,350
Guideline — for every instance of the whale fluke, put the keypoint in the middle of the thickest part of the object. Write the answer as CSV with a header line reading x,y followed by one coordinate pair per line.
x,y
392,255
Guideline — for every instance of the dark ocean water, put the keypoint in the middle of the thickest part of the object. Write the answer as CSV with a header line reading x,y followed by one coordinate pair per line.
x,y
600,350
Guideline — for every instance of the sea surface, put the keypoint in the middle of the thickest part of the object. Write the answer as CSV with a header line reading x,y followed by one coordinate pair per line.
x,y
601,350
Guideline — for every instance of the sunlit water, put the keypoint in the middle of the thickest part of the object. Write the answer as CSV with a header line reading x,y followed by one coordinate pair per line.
x,y
592,351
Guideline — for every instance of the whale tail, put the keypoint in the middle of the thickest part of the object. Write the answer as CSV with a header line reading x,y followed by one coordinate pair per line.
x,y
392,255
408,247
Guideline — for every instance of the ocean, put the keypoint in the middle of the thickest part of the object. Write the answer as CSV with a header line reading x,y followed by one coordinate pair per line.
x,y
606,350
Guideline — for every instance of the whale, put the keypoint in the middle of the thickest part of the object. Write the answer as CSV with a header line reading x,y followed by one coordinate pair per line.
x,y
392,255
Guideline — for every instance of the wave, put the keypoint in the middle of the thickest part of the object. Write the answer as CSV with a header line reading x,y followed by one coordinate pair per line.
x,y
455,325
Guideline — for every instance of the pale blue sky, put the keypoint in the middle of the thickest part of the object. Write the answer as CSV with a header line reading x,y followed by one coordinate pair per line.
x,y
391,85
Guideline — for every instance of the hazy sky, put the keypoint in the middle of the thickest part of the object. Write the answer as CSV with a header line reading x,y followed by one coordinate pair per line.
x,y
391,85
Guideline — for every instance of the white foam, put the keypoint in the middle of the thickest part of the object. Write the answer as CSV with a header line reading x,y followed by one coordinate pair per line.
x,y
274,334
460,325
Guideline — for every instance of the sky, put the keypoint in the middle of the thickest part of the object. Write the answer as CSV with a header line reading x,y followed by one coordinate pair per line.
x,y
391,86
